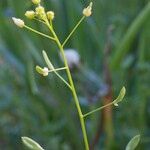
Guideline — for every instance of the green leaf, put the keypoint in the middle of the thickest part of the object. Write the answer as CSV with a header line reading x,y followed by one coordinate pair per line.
x,y
133,143
39,70
48,62
31,144
127,40
120,97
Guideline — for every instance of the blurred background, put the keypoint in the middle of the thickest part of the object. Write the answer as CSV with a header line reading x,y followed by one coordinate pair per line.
x,y
114,49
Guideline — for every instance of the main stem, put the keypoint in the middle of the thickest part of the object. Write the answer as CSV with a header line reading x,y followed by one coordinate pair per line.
x,y
82,121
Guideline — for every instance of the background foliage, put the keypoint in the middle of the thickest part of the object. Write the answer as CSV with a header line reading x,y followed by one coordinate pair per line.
x,y
42,108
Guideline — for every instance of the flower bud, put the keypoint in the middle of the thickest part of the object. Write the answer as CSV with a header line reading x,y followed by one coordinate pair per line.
x,y
50,15
88,11
36,2
30,14
18,22
43,71
39,10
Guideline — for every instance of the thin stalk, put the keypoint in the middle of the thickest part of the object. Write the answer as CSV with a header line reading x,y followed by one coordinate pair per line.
x,y
62,79
82,121
51,23
98,109
74,29
58,69
42,34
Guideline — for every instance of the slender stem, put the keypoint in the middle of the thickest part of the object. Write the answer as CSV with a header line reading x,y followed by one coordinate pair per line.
x,y
58,69
74,29
82,121
51,23
98,109
62,79
42,34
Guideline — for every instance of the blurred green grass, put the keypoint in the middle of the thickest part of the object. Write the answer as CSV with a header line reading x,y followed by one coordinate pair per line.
x,y
42,109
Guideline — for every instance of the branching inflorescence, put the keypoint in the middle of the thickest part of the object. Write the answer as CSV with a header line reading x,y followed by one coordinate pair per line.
x,y
46,18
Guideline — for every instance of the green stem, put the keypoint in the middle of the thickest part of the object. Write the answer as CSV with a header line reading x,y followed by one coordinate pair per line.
x,y
82,121
58,69
98,109
42,34
74,29
63,79
51,23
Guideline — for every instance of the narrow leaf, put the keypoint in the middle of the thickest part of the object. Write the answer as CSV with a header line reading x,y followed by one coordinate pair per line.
x,y
31,144
133,143
125,43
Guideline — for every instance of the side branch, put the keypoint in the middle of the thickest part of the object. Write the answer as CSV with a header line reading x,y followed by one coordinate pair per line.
x,y
115,102
98,109
42,34
74,29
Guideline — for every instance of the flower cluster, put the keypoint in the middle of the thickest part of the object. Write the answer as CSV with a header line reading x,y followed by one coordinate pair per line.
x,y
40,14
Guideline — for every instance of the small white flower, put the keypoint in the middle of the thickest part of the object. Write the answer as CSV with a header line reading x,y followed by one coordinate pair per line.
x,y
73,58
18,22
88,10
45,71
